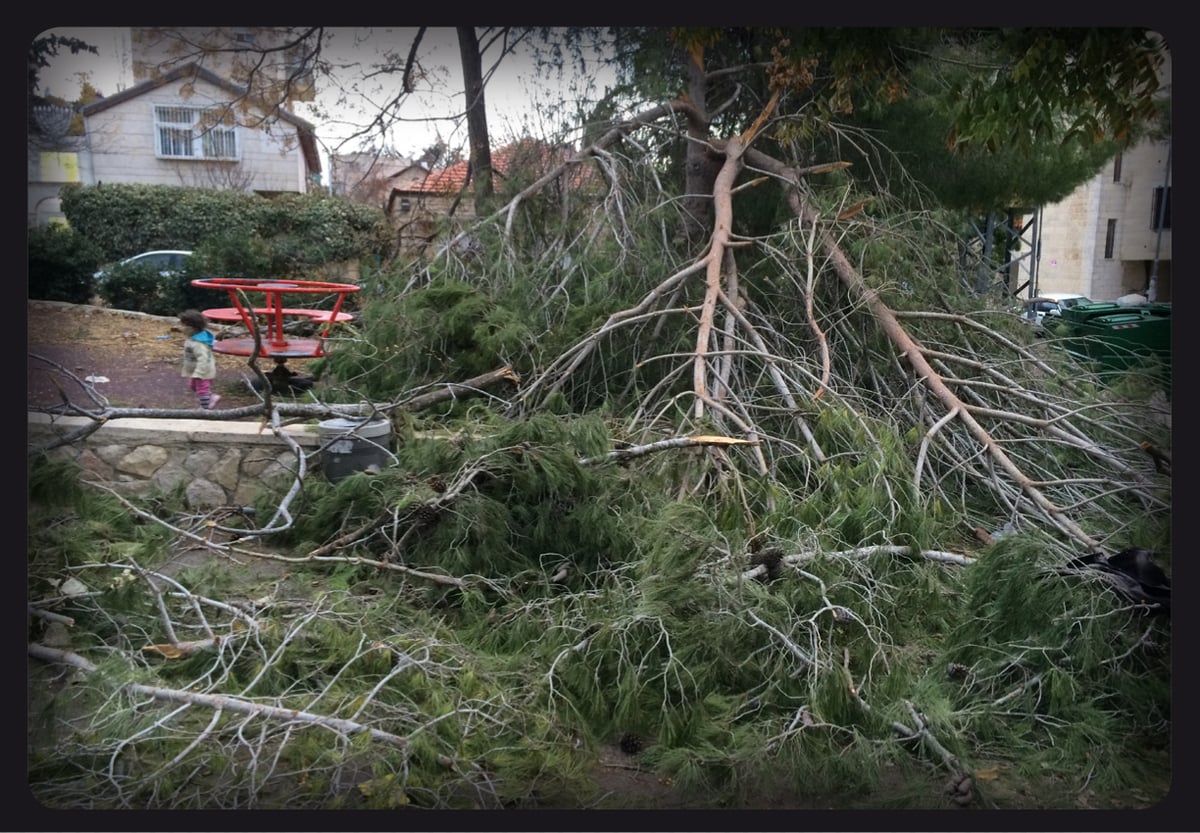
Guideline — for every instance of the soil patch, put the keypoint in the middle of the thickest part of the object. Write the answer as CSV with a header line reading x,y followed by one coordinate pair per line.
x,y
129,359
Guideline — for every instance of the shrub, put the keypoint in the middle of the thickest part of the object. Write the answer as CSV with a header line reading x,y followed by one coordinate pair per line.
x,y
142,287
289,234
124,219
61,264
237,253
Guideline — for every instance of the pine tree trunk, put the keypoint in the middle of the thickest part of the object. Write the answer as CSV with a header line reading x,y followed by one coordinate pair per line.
x,y
477,127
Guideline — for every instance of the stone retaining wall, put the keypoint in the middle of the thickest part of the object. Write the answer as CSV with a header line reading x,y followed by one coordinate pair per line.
x,y
220,463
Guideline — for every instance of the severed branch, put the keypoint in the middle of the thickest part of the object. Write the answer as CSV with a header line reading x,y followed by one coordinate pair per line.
x,y
660,445
961,786
222,701
180,650
937,426
922,733
723,204
578,354
914,354
794,649
49,616
799,559
822,342
457,390
462,482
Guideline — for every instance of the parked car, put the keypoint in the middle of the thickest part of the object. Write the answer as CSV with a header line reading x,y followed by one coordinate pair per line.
x,y
1052,303
169,261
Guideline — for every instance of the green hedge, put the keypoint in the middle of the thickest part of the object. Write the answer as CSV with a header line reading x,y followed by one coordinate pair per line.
x,y
61,264
301,231
142,287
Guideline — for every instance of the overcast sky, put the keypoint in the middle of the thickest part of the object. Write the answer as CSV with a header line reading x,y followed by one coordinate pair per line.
x,y
513,95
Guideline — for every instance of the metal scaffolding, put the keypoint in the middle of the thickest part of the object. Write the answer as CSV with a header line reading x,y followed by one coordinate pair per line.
x,y
999,252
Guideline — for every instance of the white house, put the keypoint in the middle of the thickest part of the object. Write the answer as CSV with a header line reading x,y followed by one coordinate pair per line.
x,y
192,127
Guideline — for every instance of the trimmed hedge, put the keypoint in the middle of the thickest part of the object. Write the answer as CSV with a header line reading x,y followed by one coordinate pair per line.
x,y
302,232
61,264
142,287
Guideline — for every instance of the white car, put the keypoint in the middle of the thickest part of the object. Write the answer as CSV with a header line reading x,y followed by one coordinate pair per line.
x,y
169,261
1052,303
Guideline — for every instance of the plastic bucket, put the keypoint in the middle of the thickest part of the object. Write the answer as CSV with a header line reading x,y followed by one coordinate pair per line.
x,y
351,445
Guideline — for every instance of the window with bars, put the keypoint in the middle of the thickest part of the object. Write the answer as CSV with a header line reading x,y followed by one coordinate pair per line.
x,y
194,133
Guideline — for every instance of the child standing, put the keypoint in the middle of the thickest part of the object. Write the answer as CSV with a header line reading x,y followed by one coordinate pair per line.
x,y
199,365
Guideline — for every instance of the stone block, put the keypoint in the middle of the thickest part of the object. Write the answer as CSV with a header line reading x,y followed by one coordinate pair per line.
x,y
204,494
225,470
144,460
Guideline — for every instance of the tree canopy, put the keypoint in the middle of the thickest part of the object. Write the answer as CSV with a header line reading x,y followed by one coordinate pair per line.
x,y
42,50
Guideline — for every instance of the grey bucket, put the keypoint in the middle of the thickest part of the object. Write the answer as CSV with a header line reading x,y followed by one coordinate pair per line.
x,y
352,445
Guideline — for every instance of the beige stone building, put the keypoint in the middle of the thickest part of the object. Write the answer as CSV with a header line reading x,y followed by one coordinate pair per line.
x,y
1104,240
370,177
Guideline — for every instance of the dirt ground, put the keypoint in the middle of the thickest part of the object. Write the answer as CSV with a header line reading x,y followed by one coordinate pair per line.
x,y
131,358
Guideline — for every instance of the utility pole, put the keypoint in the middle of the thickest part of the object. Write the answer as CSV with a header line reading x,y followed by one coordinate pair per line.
x,y
1152,290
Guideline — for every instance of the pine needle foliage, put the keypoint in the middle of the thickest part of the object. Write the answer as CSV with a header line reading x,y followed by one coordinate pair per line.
x,y
1061,660
447,330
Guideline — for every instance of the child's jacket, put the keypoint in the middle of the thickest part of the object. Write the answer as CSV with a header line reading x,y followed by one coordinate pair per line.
x,y
198,361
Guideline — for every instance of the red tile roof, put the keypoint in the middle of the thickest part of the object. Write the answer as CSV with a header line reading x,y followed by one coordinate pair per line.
x,y
523,154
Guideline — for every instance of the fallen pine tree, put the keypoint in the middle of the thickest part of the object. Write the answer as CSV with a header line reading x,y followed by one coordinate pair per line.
x,y
717,503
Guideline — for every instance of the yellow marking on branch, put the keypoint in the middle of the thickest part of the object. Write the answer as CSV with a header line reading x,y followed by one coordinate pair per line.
x,y
827,168
753,129
854,209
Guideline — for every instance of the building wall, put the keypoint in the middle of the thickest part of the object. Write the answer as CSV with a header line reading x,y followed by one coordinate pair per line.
x,y
1074,232
215,462
48,171
121,142
418,225
366,178
1068,237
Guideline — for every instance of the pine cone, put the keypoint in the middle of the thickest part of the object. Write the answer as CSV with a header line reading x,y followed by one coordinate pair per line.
x,y
772,559
957,671
961,788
